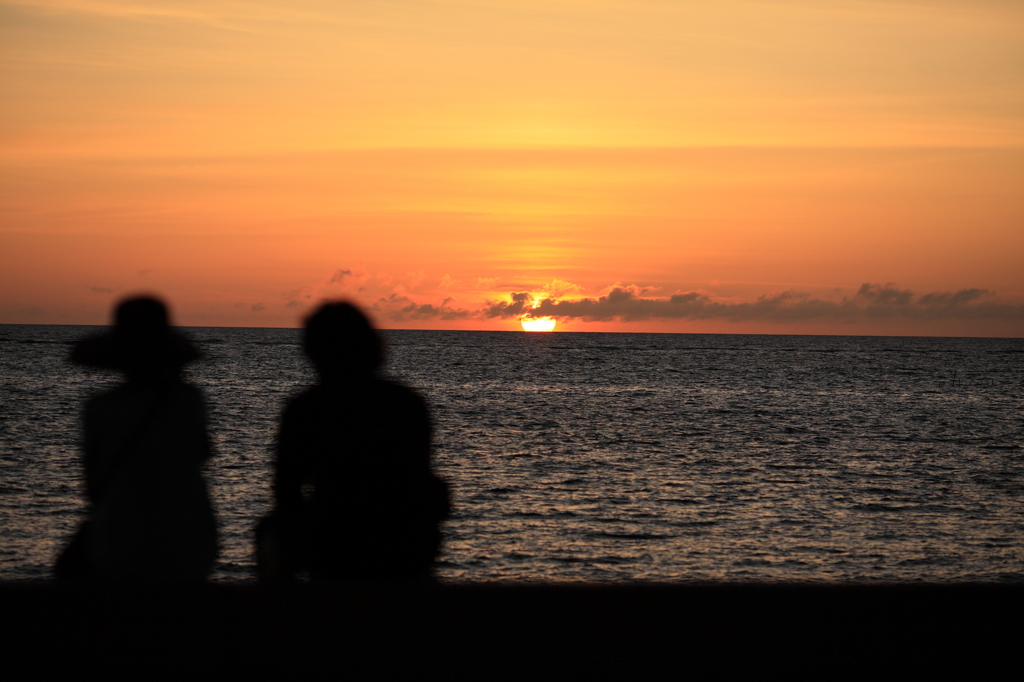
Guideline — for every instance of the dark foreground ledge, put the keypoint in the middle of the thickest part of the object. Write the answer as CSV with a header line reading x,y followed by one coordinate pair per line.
x,y
495,630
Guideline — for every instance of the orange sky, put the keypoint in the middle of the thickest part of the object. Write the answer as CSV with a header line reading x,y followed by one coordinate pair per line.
x,y
783,167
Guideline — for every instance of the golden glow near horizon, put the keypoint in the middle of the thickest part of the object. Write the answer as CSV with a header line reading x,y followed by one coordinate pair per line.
x,y
538,324
782,166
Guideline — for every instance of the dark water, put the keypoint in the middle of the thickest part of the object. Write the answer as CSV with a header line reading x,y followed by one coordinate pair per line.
x,y
609,457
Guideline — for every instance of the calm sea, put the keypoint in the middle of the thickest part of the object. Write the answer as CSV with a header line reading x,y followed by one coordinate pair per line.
x,y
607,457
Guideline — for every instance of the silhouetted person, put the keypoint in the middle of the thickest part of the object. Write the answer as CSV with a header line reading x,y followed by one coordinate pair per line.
x,y
356,497
144,444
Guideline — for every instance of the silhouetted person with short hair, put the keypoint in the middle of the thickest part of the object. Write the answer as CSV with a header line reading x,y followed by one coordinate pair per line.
x,y
356,496
145,442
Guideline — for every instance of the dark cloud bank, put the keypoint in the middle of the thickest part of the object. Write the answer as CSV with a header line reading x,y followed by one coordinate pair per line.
x,y
872,302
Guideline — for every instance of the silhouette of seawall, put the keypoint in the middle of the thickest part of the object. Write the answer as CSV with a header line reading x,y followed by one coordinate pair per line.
x,y
499,630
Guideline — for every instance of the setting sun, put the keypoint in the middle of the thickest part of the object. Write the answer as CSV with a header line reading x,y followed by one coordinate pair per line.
x,y
538,324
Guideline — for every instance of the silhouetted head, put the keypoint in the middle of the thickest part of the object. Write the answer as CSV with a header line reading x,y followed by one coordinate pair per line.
x,y
143,315
141,344
341,342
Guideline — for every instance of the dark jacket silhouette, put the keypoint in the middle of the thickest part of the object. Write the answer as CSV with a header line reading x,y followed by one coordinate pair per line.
x,y
354,488
144,444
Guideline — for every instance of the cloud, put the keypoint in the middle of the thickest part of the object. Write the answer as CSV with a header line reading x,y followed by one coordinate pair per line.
x,y
448,283
486,283
402,308
342,280
30,311
947,300
884,295
415,279
559,288
871,302
104,290
339,276
521,302
302,292
258,307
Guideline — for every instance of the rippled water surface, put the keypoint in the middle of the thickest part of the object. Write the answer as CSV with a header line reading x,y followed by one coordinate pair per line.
x,y
608,457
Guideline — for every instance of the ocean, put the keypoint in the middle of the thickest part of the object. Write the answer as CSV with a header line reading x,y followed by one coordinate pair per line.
x,y
605,457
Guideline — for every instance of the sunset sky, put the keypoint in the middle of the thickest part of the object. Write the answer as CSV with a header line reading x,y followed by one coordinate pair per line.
x,y
734,166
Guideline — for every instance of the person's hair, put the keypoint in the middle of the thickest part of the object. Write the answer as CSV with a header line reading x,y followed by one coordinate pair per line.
x,y
142,314
339,340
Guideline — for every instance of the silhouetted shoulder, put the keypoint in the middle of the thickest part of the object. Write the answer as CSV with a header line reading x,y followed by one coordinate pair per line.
x,y
400,397
369,390
375,408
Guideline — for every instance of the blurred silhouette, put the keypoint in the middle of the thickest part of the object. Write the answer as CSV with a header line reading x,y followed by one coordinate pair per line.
x,y
144,444
356,497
